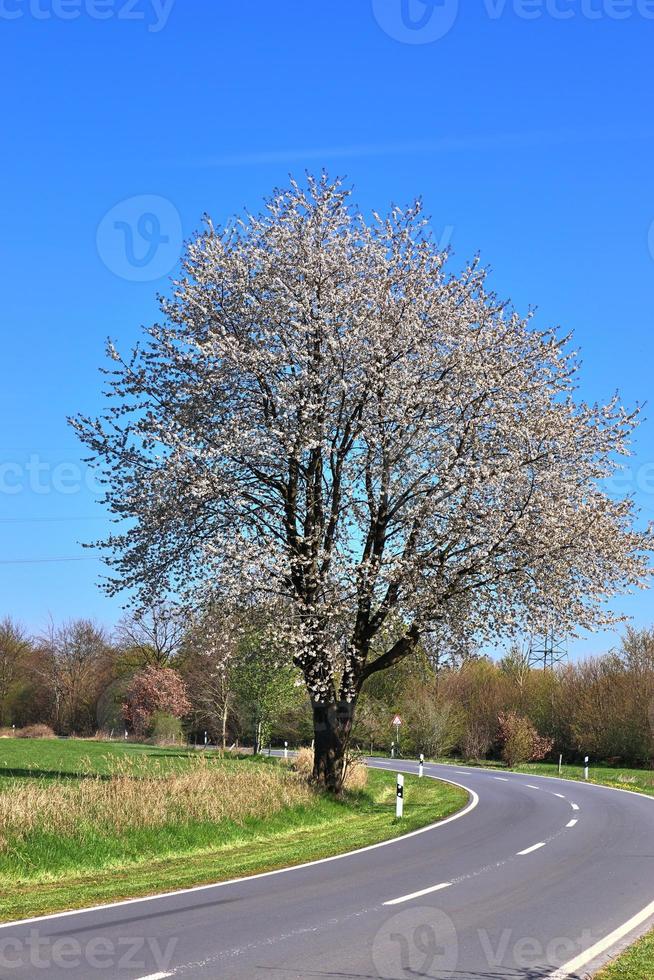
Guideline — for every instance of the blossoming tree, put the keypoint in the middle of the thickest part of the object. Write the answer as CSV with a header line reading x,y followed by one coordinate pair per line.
x,y
328,424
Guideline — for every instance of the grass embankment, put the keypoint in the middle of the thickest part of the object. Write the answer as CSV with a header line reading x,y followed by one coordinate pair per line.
x,y
636,964
618,777
83,823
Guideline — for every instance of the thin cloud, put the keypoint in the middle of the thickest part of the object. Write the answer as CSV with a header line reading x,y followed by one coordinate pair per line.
x,y
447,144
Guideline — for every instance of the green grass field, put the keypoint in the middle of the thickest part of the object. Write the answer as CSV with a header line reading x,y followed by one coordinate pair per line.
x,y
42,870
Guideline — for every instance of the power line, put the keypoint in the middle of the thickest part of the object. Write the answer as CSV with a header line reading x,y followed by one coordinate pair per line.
x,y
39,561
47,520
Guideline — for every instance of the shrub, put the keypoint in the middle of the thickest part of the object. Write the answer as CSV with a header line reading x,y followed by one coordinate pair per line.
x,y
520,741
35,731
166,728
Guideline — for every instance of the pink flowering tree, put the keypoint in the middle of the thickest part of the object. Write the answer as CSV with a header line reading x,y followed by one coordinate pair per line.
x,y
151,690
329,425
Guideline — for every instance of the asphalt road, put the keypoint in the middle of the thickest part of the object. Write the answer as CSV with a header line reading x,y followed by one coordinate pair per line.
x,y
535,874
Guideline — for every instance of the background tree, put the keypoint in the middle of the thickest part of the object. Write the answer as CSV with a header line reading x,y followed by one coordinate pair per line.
x,y
15,646
207,660
151,637
76,664
264,680
520,741
152,691
326,422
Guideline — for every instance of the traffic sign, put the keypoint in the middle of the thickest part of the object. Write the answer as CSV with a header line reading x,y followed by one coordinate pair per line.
x,y
397,721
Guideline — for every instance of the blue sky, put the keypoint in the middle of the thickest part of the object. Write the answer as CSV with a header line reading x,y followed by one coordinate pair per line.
x,y
526,126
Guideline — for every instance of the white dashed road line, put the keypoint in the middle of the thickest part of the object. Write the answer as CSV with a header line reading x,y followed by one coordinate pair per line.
x,y
529,850
572,823
423,891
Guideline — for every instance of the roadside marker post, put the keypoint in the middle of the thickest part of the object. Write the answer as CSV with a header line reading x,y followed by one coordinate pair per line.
x,y
560,764
392,750
586,768
205,738
399,799
422,762
286,750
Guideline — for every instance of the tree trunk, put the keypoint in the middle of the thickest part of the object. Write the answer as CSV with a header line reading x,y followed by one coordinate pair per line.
x,y
332,726
224,726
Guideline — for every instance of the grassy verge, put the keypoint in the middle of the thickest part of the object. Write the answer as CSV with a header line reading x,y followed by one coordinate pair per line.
x,y
43,871
636,964
638,780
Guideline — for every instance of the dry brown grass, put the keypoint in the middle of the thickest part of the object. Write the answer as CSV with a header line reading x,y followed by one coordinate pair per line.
x,y
35,731
356,773
134,797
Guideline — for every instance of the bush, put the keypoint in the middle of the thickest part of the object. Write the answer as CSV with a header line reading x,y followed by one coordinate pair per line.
x,y
520,740
166,728
35,731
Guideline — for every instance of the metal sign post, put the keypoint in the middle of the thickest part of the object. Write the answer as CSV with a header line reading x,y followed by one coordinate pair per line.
x,y
397,721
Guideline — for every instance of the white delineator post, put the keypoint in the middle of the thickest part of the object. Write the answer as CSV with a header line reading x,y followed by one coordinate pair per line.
x,y
399,799
421,764
560,764
286,750
586,768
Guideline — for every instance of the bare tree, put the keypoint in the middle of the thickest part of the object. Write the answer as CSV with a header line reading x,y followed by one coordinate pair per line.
x,y
152,635
75,665
328,422
14,647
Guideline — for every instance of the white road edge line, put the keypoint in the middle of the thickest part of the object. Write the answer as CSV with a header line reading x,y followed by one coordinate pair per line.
x,y
423,891
573,823
572,966
474,801
534,847
156,976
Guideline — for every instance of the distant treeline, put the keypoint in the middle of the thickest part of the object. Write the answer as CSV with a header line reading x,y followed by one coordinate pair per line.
x,y
76,678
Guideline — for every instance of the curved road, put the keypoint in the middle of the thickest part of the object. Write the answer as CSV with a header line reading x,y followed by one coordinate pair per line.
x,y
538,878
